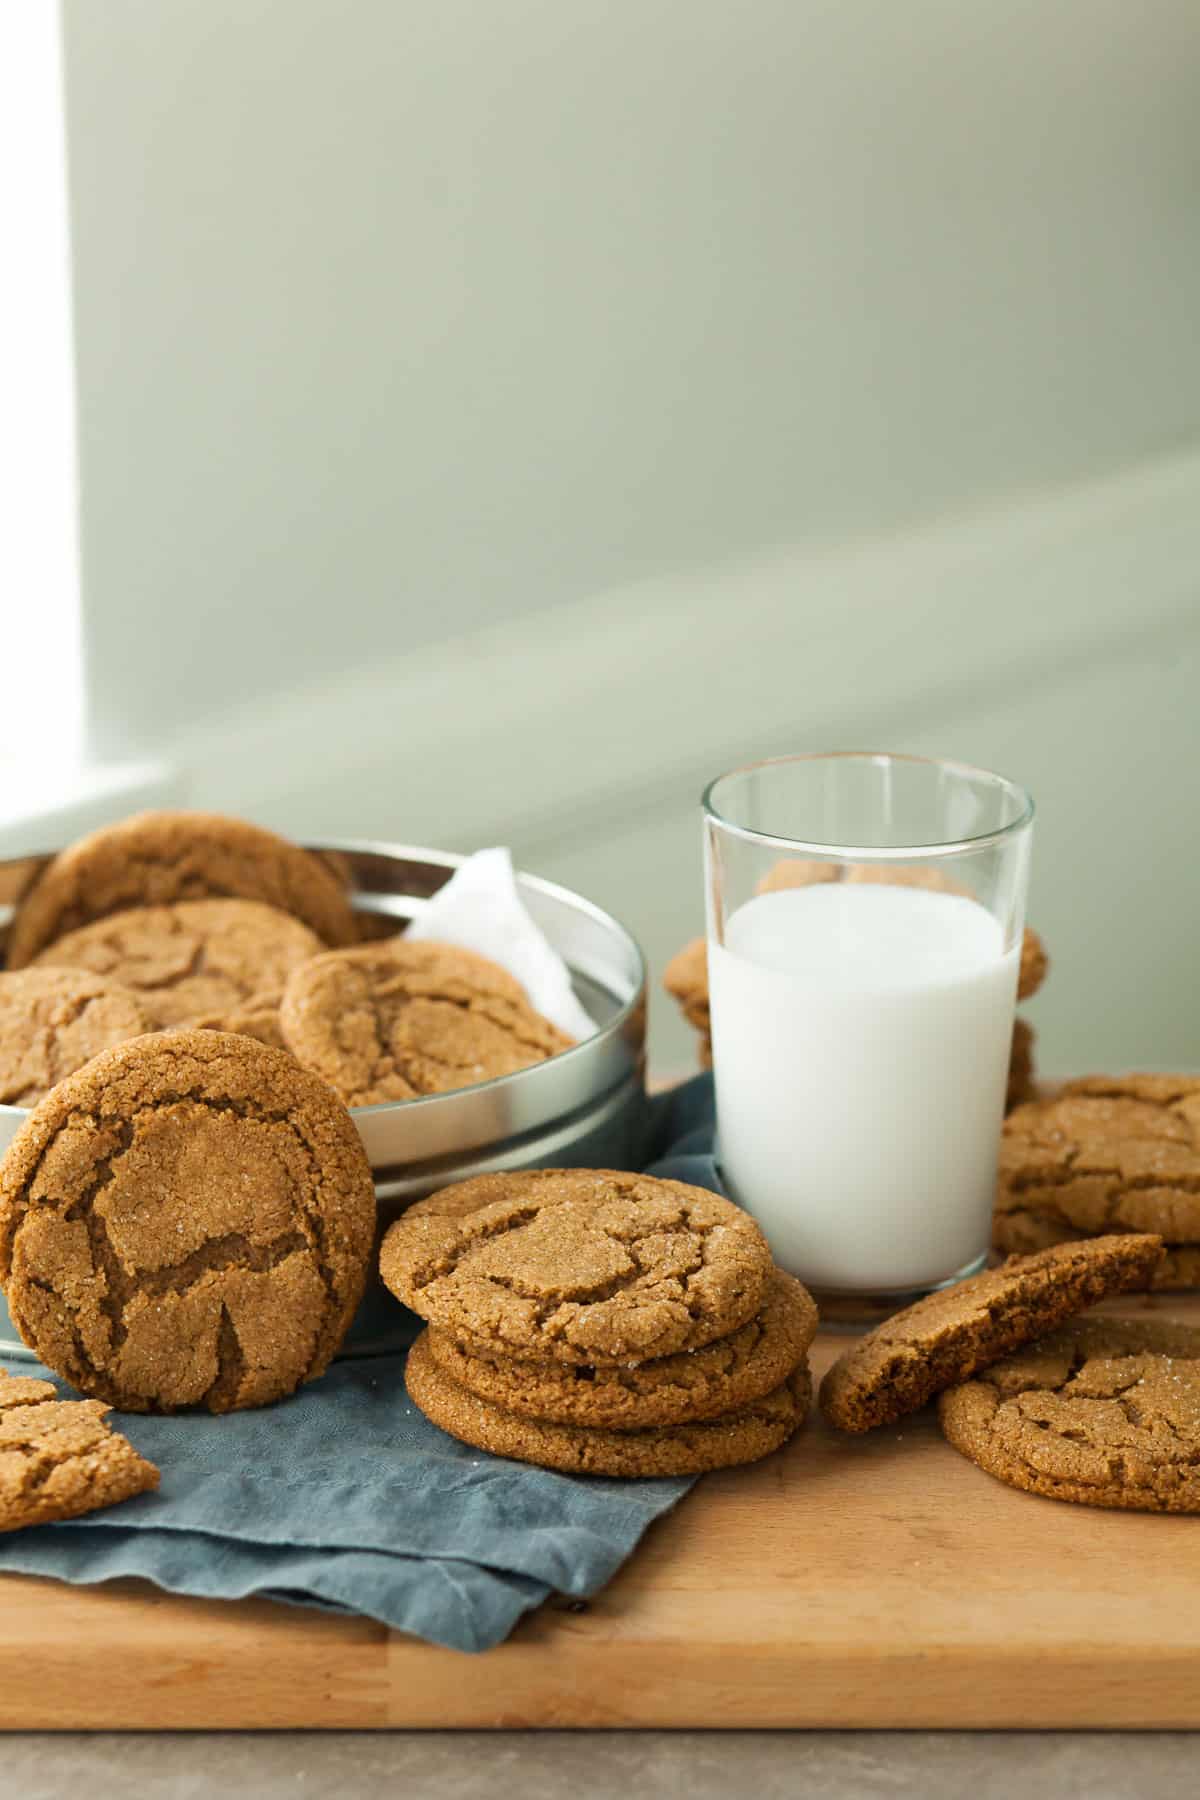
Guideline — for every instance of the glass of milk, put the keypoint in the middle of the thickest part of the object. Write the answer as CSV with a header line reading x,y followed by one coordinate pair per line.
x,y
865,914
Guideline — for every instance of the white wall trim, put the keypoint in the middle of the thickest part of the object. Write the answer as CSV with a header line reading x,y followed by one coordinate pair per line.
x,y
603,697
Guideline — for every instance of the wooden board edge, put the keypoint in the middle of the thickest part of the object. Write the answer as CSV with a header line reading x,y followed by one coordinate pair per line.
x,y
698,1687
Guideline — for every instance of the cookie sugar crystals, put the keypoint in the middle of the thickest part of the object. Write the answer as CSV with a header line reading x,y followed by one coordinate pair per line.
x,y
862,1017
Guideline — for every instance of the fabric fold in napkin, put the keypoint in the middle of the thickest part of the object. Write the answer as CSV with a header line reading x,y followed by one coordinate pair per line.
x,y
346,1497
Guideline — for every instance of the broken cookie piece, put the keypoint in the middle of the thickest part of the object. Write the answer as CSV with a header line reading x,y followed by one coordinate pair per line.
x,y
58,1458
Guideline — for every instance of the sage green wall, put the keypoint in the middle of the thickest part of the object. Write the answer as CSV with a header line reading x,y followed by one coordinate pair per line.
x,y
396,315
400,322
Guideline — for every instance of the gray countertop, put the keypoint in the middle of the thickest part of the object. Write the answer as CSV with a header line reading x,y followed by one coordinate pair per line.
x,y
547,1765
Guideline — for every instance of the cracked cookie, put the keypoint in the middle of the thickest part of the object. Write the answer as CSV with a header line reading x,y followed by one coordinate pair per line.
x,y
186,1221
947,1336
156,858
1110,1153
193,960
694,1384
52,1021
1020,1087
257,1018
1104,1412
579,1265
1018,1233
744,1436
58,1458
392,1020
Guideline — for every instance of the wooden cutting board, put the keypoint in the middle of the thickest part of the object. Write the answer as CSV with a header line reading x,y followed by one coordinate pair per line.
x,y
880,1581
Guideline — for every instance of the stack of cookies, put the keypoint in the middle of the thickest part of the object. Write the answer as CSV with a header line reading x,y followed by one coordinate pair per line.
x,y
1109,1153
686,975
189,921
601,1323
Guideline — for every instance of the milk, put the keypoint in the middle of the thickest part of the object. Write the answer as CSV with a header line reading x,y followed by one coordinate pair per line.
x,y
861,1041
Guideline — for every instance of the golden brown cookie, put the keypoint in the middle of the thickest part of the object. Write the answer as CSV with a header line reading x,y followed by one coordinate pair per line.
x,y
686,980
1020,1233
257,1018
718,1443
193,960
393,1020
53,1021
799,871
1020,1066
722,1377
580,1265
157,858
58,1458
1034,964
944,1338
1104,1412
187,1221
1108,1154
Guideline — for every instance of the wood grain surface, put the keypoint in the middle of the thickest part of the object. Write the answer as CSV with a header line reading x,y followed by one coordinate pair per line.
x,y
880,1581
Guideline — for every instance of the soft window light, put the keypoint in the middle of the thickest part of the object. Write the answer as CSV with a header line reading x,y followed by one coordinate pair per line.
x,y
41,721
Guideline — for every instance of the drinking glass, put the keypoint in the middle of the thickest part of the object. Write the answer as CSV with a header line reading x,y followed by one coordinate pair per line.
x,y
865,915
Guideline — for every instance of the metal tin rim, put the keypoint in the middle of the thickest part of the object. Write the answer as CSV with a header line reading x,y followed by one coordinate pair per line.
x,y
547,1078
554,890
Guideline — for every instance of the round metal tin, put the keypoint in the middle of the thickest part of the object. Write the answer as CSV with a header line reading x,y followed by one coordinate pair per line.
x,y
584,1108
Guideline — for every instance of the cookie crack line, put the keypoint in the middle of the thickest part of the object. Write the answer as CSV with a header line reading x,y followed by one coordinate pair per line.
x,y
544,1305
241,1109
233,1250
105,1262
1138,1419
78,1006
219,1255
387,1061
231,1367
195,963
635,1278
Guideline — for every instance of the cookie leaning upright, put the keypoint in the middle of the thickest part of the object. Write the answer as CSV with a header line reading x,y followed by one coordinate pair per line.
x,y
186,1221
392,1020
579,1265
944,1338
156,858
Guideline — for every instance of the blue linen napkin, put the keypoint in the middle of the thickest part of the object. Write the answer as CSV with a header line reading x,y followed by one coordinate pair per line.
x,y
346,1497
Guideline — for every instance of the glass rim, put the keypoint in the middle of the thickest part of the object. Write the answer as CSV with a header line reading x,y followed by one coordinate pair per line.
x,y
877,853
